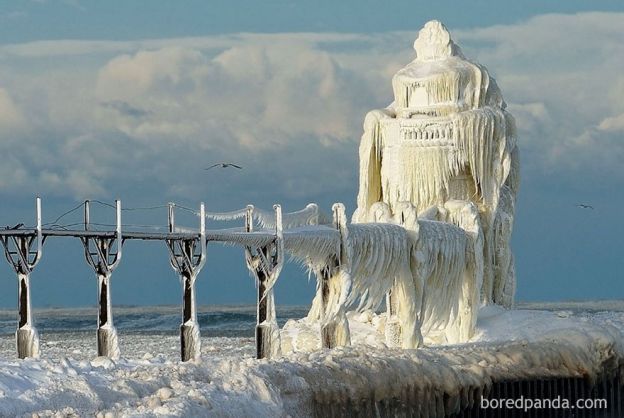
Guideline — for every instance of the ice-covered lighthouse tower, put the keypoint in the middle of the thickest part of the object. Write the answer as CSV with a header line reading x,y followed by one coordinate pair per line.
x,y
446,137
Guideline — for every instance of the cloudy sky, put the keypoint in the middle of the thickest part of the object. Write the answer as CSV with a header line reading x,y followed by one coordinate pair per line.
x,y
132,99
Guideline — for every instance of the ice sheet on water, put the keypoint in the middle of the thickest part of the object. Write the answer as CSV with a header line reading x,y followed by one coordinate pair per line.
x,y
219,321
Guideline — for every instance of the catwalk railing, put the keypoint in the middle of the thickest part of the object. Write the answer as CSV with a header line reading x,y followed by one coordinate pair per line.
x,y
264,254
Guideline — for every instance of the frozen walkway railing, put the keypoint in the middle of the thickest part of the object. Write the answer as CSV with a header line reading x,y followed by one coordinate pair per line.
x,y
301,236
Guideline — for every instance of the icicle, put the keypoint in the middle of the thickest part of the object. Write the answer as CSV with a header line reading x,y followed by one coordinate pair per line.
x,y
310,215
370,162
226,216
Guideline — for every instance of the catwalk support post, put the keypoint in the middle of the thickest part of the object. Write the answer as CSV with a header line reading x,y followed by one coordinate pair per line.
x,y
265,264
19,252
187,257
103,254
393,332
334,324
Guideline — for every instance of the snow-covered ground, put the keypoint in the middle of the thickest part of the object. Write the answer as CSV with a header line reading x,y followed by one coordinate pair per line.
x,y
150,381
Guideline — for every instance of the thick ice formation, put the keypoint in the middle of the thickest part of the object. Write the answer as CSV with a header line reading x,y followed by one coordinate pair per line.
x,y
438,179
442,162
435,281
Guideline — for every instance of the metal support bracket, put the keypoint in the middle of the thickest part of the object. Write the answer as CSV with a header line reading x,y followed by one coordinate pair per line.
x,y
187,257
19,252
265,264
334,325
103,254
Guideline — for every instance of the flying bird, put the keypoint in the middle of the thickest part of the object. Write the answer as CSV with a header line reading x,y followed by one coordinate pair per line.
x,y
224,165
584,206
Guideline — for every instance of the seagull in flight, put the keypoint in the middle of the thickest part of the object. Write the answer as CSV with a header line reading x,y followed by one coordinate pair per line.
x,y
584,206
224,165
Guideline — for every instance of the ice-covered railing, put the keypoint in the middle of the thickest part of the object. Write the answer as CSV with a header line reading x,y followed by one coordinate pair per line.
x,y
310,215
427,273
305,235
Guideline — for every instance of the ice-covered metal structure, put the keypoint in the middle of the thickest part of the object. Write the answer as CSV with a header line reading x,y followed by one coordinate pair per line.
x,y
442,162
446,137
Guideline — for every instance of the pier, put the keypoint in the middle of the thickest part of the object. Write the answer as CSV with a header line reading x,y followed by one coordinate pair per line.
x,y
103,248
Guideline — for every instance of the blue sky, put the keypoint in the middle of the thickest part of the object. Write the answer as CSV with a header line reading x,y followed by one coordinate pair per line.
x,y
131,99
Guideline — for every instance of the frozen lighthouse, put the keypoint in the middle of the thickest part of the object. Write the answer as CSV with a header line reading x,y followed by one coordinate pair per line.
x,y
435,207
444,142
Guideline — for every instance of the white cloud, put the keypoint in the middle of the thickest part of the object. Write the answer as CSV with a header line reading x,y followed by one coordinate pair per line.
x,y
561,75
146,116
531,117
613,123
258,95
75,47
11,119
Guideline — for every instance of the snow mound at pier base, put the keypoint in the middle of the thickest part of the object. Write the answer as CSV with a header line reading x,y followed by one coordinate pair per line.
x,y
228,382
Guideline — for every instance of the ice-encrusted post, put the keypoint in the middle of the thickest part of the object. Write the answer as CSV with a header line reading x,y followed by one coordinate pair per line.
x,y
265,264
19,253
187,257
392,330
334,325
104,254
249,218
393,325
326,274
